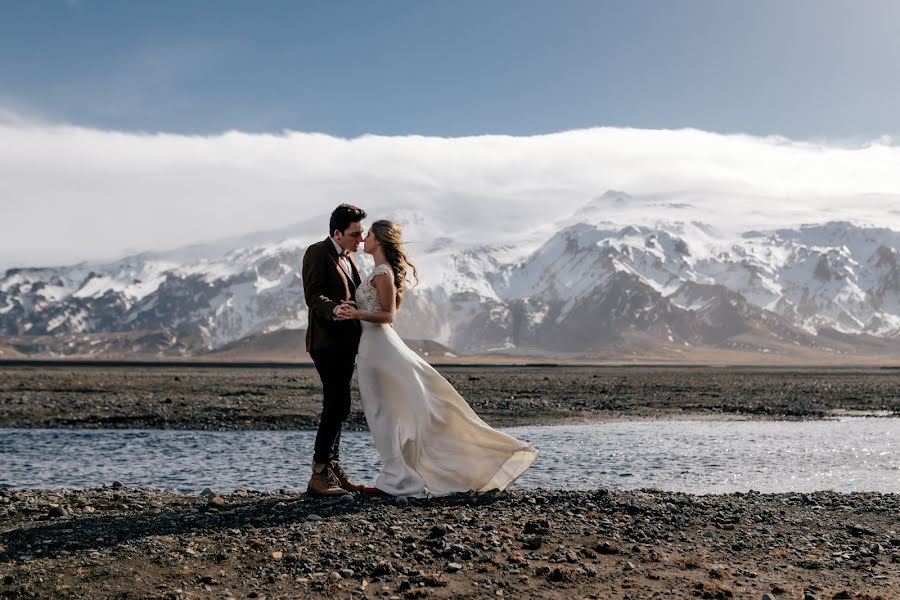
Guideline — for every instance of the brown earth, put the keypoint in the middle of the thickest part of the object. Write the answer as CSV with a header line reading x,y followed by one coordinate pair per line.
x,y
181,397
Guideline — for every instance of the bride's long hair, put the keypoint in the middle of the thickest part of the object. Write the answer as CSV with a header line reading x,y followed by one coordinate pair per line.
x,y
389,235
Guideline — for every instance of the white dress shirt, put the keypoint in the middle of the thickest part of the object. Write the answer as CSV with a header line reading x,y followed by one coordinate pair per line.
x,y
345,263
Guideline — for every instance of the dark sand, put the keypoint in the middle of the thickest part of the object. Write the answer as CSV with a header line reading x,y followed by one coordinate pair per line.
x,y
290,398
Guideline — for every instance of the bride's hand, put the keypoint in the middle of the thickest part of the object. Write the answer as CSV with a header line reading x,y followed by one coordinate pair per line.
x,y
346,311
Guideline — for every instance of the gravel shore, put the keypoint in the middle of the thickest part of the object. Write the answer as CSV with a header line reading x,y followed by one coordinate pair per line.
x,y
118,542
121,542
290,398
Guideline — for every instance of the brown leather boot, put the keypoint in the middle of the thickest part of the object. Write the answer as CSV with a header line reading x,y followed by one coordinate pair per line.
x,y
342,478
323,482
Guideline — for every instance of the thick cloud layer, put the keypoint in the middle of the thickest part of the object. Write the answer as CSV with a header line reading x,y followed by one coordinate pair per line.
x,y
72,193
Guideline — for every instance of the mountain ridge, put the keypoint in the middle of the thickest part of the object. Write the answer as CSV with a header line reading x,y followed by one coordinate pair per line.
x,y
578,288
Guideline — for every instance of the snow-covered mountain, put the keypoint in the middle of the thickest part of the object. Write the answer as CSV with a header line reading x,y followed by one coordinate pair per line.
x,y
575,286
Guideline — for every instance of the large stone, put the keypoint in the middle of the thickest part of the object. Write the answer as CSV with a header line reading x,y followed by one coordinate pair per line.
x,y
453,567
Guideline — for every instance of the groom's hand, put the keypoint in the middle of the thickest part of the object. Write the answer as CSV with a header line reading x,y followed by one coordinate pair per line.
x,y
344,311
337,313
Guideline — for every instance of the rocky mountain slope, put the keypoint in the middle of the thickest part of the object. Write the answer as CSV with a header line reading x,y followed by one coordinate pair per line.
x,y
574,288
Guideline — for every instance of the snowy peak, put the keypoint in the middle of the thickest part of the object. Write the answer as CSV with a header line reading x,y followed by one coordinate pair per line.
x,y
589,283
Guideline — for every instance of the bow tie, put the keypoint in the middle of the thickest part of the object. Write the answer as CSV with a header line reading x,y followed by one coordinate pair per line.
x,y
345,254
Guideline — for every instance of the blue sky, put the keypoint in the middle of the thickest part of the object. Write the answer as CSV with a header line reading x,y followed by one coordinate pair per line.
x,y
762,113
811,69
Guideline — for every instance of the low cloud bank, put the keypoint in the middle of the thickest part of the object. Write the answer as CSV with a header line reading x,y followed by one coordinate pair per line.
x,y
73,193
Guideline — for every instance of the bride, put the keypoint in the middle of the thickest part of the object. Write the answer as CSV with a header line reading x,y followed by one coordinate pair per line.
x,y
430,441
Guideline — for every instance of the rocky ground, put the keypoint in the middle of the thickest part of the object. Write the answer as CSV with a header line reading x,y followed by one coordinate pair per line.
x,y
117,542
290,398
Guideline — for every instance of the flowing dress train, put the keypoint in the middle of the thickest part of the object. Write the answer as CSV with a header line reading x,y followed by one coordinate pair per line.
x,y
430,441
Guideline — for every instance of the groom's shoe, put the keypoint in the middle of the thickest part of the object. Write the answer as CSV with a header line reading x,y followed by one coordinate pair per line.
x,y
323,482
343,479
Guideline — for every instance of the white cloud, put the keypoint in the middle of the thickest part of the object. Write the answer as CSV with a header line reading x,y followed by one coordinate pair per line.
x,y
72,193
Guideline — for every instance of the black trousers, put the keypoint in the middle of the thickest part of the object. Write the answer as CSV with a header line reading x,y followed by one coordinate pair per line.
x,y
335,369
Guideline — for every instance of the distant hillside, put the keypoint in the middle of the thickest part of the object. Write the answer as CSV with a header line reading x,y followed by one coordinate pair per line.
x,y
8,352
290,345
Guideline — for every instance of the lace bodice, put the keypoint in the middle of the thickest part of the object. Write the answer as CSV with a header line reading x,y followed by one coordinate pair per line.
x,y
366,295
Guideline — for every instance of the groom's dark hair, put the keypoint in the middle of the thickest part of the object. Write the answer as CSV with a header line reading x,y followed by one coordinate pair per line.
x,y
343,216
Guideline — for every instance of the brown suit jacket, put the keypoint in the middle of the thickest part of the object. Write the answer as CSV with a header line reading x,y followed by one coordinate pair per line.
x,y
325,284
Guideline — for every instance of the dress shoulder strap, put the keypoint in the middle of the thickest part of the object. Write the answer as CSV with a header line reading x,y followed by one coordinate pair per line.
x,y
382,269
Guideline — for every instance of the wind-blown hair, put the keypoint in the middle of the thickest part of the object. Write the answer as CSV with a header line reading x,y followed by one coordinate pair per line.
x,y
390,236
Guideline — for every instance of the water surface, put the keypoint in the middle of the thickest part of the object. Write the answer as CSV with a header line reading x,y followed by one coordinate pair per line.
x,y
851,454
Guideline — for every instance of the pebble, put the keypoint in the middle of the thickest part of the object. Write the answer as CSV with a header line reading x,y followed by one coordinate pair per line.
x,y
341,499
437,531
453,567
532,542
859,530
606,548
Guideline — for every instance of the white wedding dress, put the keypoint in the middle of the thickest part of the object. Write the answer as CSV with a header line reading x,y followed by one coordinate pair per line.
x,y
430,441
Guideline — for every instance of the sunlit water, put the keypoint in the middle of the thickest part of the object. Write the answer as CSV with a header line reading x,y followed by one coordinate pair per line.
x,y
852,454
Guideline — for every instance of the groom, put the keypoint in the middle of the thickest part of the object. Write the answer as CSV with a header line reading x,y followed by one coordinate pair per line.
x,y
330,279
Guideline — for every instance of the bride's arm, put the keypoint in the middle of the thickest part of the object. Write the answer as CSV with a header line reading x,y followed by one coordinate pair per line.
x,y
386,292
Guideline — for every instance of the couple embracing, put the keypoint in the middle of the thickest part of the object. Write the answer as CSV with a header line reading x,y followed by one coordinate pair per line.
x,y
430,441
